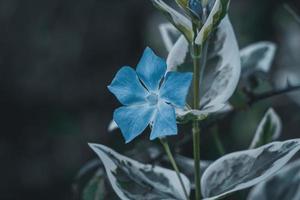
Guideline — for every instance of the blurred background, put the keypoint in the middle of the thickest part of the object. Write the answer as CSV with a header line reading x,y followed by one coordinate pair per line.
x,y
58,56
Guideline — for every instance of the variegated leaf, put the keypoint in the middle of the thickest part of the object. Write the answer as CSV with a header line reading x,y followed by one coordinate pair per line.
x,y
132,180
244,169
186,115
268,129
256,62
179,55
283,186
169,35
223,67
178,20
288,77
192,7
227,108
217,13
257,57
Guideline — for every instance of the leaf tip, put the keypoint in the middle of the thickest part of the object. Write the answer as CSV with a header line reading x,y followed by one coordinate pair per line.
x,y
93,146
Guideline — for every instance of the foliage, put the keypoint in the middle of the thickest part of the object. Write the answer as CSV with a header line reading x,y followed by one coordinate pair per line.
x,y
158,93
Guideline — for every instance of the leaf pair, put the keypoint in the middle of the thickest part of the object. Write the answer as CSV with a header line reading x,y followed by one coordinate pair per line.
x,y
183,24
241,170
221,73
132,180
194,9
217,13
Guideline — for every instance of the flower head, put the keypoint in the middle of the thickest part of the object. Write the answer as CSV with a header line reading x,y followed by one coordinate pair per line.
x,y
149,96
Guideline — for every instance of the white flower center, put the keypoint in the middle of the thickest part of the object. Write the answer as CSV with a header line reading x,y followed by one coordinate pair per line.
x,y
152,99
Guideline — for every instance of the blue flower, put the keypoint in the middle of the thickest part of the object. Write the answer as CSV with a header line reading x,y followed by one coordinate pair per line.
x,y
149,96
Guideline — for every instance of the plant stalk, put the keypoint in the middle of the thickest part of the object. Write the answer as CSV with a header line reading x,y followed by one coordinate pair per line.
x,y
166,146
196,144
196,55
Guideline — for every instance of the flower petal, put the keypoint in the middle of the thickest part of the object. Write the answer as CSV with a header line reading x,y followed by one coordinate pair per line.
x,y
127,87
133,120
175,87
151,69
164,122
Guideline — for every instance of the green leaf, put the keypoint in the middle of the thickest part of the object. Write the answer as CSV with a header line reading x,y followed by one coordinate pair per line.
x,y
183,24
132,180
284,185
214,18
244,169
268,129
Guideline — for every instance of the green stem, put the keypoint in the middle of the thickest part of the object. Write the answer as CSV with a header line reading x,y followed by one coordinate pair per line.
x,y
196,52
203,61
196,147
166,146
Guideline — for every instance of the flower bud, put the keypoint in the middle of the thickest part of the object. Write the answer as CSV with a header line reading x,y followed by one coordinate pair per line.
x,y
192,8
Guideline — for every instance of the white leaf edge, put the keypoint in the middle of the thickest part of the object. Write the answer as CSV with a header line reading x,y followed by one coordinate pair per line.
x,y
275,119
289,76
228,55
220,108
254,153
177,54
165,29
177,17
109,166
227,108
257,189
265,63
112,126
200,113
208,23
